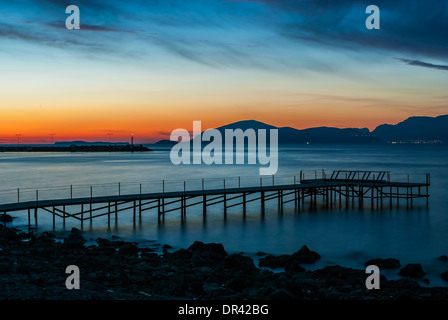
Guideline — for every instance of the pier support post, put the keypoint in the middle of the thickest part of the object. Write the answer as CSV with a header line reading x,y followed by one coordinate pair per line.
x,y
63,216
347,196
108,215
204,207
390,196
361,197
134,211
262,202
296,199
140,209
428,179
278,199
244,204
281,201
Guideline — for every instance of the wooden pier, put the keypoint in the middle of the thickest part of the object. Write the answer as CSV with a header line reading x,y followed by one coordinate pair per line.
x,y
341,188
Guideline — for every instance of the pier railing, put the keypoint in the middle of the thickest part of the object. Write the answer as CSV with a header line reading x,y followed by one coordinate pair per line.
x,y
73,191
18,195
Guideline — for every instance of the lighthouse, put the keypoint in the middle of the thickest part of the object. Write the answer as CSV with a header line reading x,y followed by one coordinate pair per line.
x,y
132,140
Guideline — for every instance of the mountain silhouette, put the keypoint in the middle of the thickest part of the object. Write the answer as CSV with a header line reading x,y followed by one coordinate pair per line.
x,y
414,128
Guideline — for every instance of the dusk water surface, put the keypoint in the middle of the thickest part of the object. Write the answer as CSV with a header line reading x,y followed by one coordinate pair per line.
x,y
347,237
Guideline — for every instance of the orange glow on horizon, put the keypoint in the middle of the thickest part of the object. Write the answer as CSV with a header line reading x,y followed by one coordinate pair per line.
x,y
154,120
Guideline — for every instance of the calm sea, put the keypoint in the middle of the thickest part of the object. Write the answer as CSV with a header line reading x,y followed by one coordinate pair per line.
x,y
344,236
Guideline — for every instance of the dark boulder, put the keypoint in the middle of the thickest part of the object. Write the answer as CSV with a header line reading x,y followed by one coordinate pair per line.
x,y
443,257
281,294
294,266
128,249
204,254
389,263
238,261
412,270
5,218
8,233
305,255
74,240
340,275
444,275
274,262
180,257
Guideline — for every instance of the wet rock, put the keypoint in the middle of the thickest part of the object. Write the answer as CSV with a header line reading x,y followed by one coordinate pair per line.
x,y
305,255
207,254
8,233
208,250
413,270
294,266
33,269
274,262
281,294
179,257
128,249
444,275
238,261
5,218
403,284
338,275
443,257
389,263
74,240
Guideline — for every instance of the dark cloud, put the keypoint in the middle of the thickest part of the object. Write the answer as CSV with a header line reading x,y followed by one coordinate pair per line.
x,y
424,64
409,26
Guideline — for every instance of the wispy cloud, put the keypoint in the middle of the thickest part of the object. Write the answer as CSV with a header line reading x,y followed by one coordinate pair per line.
x,y
424,64
85,27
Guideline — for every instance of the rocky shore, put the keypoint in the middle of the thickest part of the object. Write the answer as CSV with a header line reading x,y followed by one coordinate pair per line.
x,y
32,266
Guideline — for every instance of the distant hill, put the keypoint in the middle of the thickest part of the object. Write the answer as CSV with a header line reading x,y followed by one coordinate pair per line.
x,y
311,135
412,129
85,143
415,128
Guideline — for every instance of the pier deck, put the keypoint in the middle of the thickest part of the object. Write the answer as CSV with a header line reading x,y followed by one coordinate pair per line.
x,y
341,187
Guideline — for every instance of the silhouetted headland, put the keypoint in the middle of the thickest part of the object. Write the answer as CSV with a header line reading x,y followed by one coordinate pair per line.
x,y
78,148
414,130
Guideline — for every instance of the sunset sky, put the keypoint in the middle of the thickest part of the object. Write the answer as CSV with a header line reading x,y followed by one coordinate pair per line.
x,y
149,67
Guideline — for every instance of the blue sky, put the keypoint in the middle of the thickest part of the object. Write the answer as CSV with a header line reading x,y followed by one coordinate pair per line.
x,y
314,62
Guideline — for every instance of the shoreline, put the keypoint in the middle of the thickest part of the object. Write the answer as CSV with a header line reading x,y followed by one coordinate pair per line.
x,y
77,148
32,266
